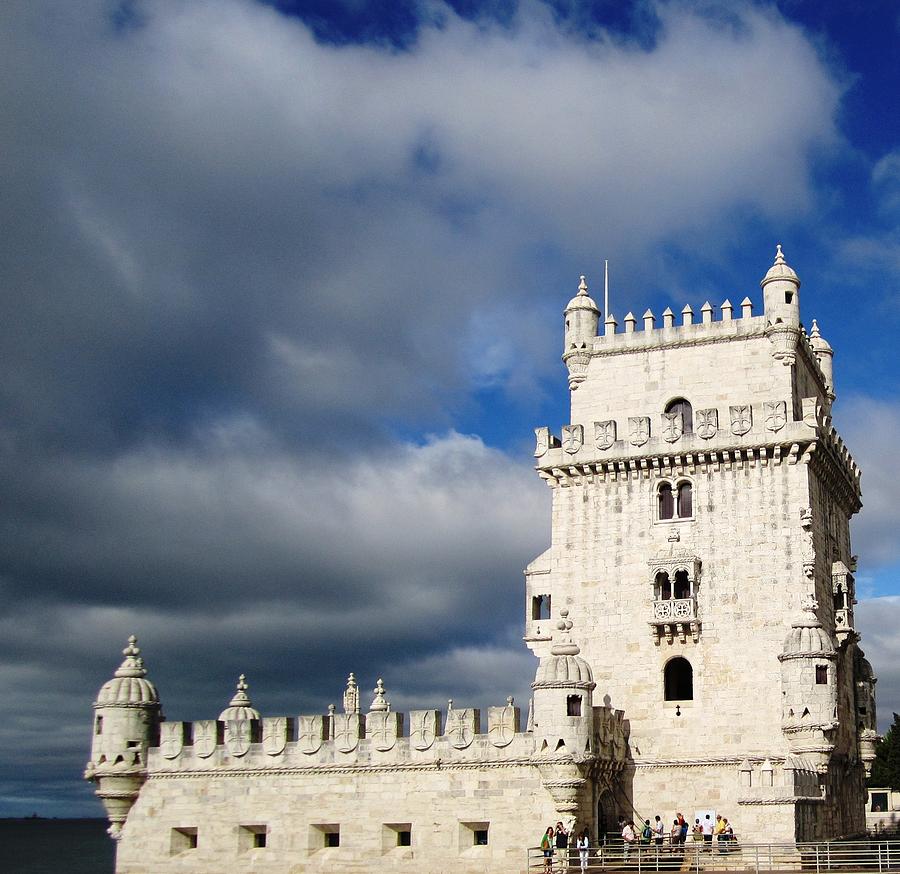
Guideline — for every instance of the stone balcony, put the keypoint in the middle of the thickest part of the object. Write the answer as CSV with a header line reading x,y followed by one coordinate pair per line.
x,y
675,617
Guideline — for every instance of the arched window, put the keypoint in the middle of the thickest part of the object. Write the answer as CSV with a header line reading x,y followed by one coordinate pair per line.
x,y
680,405
663,587
679,680
666,501
682,585
685,500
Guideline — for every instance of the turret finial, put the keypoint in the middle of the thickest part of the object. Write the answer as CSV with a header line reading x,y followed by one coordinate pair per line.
x,y
779,255
133,665
809,604
351,696
582,286
565,646
379,702
241,699
815,330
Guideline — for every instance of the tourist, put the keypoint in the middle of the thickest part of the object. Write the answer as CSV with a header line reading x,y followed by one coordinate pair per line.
x,y
697,831
706,829
646,832
629,836
684,827
583,843
547,848
562,844
728,835
718,832
675,835
659,832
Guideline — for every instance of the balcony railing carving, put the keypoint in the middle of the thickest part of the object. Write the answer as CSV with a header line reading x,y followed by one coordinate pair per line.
x,y
675,617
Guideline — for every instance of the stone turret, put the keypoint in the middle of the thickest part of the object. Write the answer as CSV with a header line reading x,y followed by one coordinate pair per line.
x,y
781,304
240,706
126,724
825,356
582,318
809,687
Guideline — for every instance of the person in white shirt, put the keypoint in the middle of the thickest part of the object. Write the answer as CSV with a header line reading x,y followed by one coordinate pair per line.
x,y
629,836
659,832
707,826
583,843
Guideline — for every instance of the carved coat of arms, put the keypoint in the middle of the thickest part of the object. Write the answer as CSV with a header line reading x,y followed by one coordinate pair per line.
x,y
741,419
381,727
346,731
461,728
422,728
707,423
673,426
502,725
238,736
572,438
274,735
638,430
206,736
605,433
171,739
776,414
310,733
542,441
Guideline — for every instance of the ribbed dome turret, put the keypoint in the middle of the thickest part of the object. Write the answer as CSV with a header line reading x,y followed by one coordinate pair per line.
x,y
564,667
780,270
816,340
240,706
807,636
582,300
128,687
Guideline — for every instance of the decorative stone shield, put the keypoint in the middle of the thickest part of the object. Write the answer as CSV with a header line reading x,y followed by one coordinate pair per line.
x,y
503,723
171,739
462,726
347,729
542,441
706,423
274,735
238,736
424,726
605,433
206,737
572,438
311,733
741,419
383,729
673,426
638,430
776,415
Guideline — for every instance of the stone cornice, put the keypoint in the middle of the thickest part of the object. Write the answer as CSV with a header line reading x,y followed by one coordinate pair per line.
x,y
736,761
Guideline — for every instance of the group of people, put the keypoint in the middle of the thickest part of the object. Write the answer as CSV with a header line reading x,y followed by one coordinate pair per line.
x,y
655,833
556,840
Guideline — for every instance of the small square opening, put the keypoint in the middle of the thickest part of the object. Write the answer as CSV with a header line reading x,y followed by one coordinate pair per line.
x,y
324,836
474,834
821,675
252,837
396,834
183,839
481,837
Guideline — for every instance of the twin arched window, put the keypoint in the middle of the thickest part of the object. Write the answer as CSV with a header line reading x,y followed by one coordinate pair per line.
x,y
675,502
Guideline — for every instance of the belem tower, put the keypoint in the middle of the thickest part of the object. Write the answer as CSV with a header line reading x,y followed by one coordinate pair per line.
x,y
692,622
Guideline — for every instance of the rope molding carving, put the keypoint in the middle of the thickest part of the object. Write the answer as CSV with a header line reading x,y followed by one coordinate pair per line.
x,y
341,769
644,764
799,799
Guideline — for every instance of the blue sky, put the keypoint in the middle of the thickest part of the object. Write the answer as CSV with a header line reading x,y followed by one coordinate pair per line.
x,y
283,292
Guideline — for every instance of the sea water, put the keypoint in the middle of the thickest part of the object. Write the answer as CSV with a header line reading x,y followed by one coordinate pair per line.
x,y
56,846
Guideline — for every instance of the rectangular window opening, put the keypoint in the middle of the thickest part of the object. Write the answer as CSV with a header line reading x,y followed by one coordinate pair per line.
x,y
540,607
573,705
821,675
879,802
99,725
396,834
474,834
324,836
252,837
183,839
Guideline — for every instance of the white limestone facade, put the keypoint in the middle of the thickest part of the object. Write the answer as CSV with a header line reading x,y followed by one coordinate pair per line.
x,y
692,621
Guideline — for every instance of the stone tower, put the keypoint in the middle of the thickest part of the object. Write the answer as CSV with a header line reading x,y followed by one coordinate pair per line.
x,y
701,503
126,725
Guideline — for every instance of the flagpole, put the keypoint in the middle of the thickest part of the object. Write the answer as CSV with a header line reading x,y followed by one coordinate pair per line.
x,y
605,289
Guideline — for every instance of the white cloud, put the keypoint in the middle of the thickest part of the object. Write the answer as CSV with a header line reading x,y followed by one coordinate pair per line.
x,y
878,619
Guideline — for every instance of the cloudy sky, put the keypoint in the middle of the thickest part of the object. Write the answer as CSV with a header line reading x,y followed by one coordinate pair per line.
x,y
282,291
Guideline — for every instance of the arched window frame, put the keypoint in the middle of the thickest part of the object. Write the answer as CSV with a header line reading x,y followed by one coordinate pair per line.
x,y
667,667
686,408
675,484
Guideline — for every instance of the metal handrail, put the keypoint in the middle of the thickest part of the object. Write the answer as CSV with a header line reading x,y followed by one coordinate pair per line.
x,y
729,855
